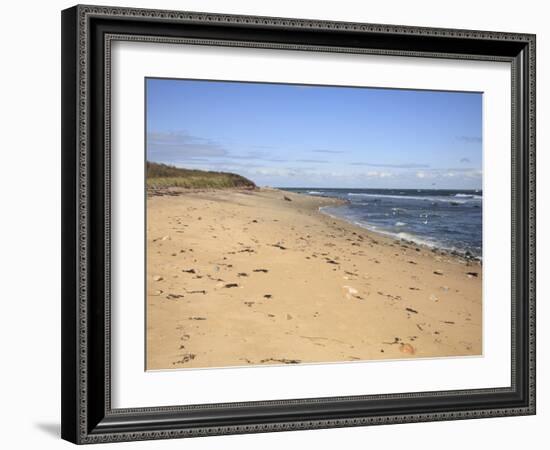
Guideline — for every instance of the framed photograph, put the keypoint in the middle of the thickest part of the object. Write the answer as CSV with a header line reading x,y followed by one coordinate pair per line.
x,y
278,224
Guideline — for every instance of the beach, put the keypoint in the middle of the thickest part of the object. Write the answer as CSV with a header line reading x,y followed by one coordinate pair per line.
x,y
261,276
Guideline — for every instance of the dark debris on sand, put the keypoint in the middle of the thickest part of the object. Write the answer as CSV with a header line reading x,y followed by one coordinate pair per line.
x,y
281,360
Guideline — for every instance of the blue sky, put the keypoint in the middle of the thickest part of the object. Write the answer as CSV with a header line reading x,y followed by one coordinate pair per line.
x,y
318,136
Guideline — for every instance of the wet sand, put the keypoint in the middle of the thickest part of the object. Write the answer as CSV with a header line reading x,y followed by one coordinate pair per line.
x,y
238,278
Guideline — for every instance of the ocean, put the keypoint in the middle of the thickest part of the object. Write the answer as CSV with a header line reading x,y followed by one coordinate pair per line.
x,y
449,220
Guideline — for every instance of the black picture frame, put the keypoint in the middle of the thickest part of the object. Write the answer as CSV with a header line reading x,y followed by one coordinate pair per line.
x,y
87,416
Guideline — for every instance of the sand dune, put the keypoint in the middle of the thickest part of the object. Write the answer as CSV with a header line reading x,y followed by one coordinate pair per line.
x,y
249,278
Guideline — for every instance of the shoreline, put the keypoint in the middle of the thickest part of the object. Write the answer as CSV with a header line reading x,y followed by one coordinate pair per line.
x,y
427,246
413,240
381,234
297,285
175,191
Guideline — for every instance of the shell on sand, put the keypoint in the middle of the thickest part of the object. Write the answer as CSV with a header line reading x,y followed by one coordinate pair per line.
x,y
349,292
407,349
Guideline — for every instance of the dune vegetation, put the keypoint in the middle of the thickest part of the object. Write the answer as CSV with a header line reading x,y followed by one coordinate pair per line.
x,y
166,176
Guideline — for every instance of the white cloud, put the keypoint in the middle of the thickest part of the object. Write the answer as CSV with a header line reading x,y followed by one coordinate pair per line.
x,y
392,166
449,173
165,146
377,174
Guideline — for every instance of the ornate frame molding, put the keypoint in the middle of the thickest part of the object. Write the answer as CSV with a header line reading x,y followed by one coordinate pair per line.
x,y
80,424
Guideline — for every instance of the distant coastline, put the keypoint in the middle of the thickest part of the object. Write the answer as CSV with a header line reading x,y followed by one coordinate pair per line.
x,y
161,176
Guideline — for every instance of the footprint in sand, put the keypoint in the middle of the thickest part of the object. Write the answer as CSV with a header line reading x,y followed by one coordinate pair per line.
x,y
186,357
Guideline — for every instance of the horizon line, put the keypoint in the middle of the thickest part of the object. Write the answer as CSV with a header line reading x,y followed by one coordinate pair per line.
x,y
380,189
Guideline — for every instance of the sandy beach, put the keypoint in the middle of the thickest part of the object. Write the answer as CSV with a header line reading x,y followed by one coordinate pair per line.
x,y
257,277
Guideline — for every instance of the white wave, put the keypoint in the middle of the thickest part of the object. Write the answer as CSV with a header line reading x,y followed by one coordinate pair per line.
x,y
477,197
430,198
417,240
370,227
314,193
400,235
400,224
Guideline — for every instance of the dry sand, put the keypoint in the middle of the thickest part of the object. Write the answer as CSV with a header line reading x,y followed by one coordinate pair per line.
x,y
249,278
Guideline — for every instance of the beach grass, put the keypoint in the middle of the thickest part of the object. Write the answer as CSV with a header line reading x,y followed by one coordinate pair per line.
x,y
165,176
